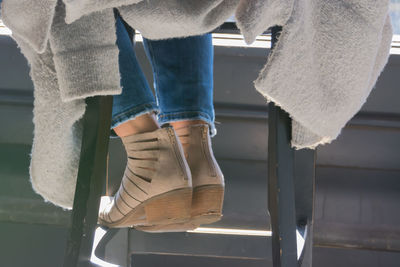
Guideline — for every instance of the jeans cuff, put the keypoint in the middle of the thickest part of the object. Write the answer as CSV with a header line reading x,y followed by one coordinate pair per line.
x,y
132,113
188,115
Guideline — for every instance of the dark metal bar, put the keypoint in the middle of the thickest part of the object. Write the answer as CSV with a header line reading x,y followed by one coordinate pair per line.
x,y
91,176
281,191
304,197
304,181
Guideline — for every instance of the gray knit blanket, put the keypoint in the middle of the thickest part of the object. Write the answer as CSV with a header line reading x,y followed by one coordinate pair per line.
x,y
325,63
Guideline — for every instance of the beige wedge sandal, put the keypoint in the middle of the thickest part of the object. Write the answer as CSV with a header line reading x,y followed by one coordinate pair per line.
x,y
207,179
156,188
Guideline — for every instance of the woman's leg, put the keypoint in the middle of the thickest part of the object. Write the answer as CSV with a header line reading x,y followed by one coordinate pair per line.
x,y
133,109
156,187
183,79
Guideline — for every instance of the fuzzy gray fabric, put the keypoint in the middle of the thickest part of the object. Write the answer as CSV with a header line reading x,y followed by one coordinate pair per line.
x,y
29,20
325,63
85,55
80,60
57,132
267,13
75,9
157,19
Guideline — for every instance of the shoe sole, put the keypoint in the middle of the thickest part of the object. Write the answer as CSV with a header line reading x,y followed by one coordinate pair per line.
x,y
168,208
207,203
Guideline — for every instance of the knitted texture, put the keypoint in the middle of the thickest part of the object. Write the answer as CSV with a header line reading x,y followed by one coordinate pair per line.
x,y
29,20
80,60
85,55
159,19
265,14
325,64
75,9
57,132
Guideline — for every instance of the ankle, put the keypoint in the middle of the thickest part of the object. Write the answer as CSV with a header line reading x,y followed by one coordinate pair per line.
x,y
185,123
190,133
141,124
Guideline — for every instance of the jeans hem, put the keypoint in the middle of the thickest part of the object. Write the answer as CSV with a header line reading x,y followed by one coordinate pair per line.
x,y
188,115
130,114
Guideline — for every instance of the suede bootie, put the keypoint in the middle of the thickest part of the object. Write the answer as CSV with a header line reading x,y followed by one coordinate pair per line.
x,y
207,179
156,188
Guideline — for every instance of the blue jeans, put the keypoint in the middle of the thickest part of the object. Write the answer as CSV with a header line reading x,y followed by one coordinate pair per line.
x,y
183,80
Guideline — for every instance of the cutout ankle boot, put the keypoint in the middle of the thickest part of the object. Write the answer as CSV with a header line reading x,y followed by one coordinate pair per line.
x,y
207,177
156,188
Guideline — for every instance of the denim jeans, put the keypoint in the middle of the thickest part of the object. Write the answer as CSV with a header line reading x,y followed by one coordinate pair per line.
x,y
183,80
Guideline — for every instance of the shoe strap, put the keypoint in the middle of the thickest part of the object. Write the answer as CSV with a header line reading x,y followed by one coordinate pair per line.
x,y
184,133
143,137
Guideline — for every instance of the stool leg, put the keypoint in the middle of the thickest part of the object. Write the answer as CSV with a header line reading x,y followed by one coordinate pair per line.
x,y
304,197
91,176
281,191
291,187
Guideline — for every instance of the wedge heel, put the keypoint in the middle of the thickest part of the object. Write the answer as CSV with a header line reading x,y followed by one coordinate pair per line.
x,y
168,208
171,207
207,204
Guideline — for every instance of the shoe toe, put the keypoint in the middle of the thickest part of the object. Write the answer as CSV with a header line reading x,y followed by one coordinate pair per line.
x,y
106,204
